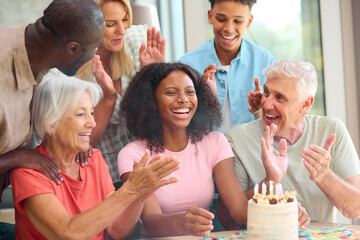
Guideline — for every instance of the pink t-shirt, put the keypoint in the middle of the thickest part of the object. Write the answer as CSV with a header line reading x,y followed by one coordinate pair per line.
x,y
195,187
76,196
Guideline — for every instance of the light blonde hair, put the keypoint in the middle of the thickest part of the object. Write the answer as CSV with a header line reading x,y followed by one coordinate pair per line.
x,y
120,62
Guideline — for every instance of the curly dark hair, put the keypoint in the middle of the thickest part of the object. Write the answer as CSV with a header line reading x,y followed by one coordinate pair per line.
x,y
250,3
143,120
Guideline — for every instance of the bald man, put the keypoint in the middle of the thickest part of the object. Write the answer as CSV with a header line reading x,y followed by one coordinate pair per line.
x,y
65,37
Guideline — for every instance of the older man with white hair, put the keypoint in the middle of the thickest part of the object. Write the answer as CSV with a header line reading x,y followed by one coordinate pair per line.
x,y
313,155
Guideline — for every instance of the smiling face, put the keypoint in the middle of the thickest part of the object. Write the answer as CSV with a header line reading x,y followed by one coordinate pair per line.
x,y
229,20
176,100
281,106
116,22
73,131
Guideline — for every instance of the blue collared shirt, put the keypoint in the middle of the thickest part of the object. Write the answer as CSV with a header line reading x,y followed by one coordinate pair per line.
x,y
248,64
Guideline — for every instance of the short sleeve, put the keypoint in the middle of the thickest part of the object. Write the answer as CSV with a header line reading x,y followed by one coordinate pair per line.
x,y
28,182
133,151
344,156
104,171
223,148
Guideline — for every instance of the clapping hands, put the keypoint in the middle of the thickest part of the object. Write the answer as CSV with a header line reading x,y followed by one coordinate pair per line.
x,y
148,177
317,159
154,51
254,99
275,166
209,75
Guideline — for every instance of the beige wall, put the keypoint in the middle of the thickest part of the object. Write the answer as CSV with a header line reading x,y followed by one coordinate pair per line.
x,y
20,12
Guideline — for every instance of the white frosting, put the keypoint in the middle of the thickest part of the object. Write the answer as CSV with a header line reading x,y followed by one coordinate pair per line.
x,y
272,222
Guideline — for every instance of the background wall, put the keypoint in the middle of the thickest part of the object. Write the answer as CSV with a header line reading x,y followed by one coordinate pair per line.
x,y
19,12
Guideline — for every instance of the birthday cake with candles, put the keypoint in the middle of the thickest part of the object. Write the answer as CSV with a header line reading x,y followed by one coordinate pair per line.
x,y
272,214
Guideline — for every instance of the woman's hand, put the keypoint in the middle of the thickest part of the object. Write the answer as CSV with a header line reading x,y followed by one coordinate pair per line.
x,y
102,78
197,221
154,51
147,178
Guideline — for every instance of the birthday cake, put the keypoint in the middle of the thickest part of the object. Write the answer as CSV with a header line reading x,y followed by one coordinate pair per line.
x,y
273,216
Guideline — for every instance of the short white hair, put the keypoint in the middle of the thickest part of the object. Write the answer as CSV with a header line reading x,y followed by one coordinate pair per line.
x,y
303,72
56,96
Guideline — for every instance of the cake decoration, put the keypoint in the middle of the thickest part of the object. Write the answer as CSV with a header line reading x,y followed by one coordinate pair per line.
x,y
272,216
319,234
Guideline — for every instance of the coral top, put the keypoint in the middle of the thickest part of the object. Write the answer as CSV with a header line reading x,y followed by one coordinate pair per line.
x,y
76,196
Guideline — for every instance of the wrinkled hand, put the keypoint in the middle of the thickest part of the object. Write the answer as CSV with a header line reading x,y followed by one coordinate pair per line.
x,y
82,157
275,166
147,178
303,217
209,76
317,159
155,48
29,158
254,99
102,78
197,221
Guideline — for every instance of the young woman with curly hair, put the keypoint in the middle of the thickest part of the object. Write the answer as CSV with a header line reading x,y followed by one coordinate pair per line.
x,y
170,109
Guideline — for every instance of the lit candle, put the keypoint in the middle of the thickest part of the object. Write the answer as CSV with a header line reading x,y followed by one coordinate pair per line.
x,y
263,186
277,189
256,189
271,187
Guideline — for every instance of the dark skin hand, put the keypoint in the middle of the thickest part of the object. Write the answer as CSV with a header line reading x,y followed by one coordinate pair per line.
x,y
82,157
29,158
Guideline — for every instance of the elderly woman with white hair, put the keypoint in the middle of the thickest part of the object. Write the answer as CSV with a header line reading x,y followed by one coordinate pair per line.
x,y
85,205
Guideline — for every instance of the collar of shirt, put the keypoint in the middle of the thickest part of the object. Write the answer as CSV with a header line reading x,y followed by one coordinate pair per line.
x,y
241,56
24,75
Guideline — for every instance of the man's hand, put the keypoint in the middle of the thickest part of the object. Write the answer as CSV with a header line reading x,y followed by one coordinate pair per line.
x,y
155,48
303,217
254,99
197,221
147,178
275,166
29,158
209,76
82,157
317,159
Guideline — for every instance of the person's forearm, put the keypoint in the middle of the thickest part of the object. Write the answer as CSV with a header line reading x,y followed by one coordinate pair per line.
x,y
238,212
97,218
258,114
102,115
125,224
9,160
162,225
344,196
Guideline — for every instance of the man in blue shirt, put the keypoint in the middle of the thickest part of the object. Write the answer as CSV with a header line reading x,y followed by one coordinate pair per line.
x,y
230,62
